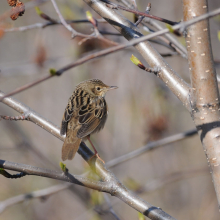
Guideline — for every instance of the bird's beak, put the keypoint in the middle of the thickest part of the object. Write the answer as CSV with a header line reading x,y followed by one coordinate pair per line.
x,y
111,88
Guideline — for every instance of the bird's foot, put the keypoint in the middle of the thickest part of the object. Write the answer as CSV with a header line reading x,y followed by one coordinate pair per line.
x,y
97,155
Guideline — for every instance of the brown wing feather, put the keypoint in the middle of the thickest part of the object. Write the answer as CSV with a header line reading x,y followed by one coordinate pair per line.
x,y
93,119
66,117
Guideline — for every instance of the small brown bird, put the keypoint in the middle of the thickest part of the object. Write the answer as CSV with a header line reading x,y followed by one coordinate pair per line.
x,y
86,113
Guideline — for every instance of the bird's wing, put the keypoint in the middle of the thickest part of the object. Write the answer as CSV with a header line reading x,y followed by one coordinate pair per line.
x,y
66,117
92,118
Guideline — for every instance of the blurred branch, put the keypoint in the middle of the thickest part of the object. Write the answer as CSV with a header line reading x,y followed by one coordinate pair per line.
x,y
27,86
173,42
109,182
43,25
63,21
110,208
204,96
172,80
151,146
75,33
33,195
173,177
44,194
46,24
147,11
116,6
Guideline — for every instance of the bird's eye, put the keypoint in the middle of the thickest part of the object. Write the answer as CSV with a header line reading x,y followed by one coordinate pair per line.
x,y
98,88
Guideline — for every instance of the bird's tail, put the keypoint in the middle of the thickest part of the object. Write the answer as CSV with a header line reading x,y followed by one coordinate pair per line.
x,y
70,146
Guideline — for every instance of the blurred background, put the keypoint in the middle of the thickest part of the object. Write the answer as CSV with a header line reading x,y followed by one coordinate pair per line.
x,y
174,177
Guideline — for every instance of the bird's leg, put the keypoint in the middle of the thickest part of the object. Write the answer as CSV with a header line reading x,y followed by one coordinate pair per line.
x,y
96,152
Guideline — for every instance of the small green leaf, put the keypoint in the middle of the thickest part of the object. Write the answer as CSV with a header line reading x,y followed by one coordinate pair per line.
x,y
170,28
89,15
39,12
63,167
219,35
91,19
140,216
53,72
1,170
135,60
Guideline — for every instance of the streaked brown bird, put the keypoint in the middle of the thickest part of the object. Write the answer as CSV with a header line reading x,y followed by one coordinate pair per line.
x,y
85,114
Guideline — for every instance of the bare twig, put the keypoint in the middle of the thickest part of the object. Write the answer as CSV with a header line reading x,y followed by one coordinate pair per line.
x,y
168,38
27,86
173,41
11,176
75,33
134,3
111,210
140,19
46,24
32,195
155,184
63,21
116,6
151,146
14,118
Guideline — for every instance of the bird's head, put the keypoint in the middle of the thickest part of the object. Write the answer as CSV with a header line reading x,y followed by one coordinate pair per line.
x,y
97,87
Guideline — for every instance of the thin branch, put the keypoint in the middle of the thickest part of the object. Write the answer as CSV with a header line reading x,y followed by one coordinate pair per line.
x,y
50,23
155,184
11,176
173,41
111,210
147,11
116,6
63,21
111,185
33,195
75,33
43,25
27,86
151,146
14,118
